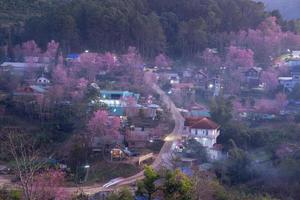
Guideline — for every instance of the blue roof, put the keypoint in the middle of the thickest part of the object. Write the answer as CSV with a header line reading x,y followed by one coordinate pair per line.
x,y
108,93
116,111
73,56
202,113
187,171
141,198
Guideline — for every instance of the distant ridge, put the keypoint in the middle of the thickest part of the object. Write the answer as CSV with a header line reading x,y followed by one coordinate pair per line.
x,y
289,9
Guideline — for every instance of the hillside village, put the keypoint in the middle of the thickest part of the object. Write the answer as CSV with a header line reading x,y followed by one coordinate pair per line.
x,y
144,100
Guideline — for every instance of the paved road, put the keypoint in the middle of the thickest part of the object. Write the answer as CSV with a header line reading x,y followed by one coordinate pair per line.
x,y
164,155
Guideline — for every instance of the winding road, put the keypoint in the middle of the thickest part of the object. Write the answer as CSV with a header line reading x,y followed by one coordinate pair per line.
x,y
164,156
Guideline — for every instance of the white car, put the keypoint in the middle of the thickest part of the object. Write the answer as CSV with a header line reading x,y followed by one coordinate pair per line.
x,y
113,182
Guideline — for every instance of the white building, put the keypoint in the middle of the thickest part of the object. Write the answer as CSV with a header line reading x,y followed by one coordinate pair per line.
x,y
203,130
295,54
206,132
289,82
43,81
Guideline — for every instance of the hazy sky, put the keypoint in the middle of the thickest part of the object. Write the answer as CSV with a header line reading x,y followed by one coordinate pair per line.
x,y
290,9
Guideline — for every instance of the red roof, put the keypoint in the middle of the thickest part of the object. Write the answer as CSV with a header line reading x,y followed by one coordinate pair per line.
x,y
201,123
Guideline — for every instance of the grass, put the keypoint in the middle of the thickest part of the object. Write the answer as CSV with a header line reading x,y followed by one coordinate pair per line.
x,y
103,171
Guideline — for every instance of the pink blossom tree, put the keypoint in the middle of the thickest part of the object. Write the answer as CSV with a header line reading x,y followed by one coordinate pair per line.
x,y
60,75
110,61
52,49
281,100
269,78
131,106
103,126
133,63
49,185
163,61
30,48
210,59
267,41
239,58
266,105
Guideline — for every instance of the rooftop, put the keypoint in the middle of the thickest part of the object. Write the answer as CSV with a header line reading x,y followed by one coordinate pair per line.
x,y
201,123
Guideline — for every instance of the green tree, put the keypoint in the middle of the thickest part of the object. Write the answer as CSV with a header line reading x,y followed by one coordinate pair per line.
x,y
123,194
236,169
295,94
195,150
177,186
221,110
147,186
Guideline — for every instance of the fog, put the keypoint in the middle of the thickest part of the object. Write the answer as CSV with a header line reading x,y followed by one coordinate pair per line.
x,y
288,8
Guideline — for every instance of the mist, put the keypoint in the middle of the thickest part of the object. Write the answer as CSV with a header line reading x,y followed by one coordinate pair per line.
x,y
288,8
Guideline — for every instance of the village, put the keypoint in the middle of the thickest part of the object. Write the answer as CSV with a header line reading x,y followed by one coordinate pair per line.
x,y
105,120
140,121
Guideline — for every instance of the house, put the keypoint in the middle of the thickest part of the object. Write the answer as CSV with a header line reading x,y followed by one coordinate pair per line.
x,y
203,129
20,68
199,111
172,77
138,137
296,54
42,81
187,74
151,110
290,81
252,77
201,77
114,98
73,57
32,90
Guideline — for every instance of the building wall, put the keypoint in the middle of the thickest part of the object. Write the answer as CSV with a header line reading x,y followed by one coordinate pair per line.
x,y
207,137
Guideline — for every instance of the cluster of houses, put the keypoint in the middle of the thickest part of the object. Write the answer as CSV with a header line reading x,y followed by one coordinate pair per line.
x,y
121,104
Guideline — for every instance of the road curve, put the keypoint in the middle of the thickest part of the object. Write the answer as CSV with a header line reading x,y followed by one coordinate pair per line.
x,y
163,156
166,150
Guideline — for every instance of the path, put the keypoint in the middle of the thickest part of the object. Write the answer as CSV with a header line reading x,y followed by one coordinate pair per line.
x,y
163,157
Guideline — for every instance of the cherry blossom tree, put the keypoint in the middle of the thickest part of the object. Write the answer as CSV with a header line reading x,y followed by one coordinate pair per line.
x,y
281,100
131,106
269,78
52,49
267,41
272,105
133,63
210,59
59,75
30,48
163,61
266,105
110,61
49,185
80,89
239,58
103,126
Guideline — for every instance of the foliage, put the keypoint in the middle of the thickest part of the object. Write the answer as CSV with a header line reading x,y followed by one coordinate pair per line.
x,y
177,186
195,150
123,194
221,109
6,194
147,186
236,169
181,28
295,94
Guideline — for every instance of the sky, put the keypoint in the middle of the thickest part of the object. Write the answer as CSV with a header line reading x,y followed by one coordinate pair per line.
x,y
290,9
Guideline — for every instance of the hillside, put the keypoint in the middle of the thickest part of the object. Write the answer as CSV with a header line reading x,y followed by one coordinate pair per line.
x,y
14,11
288,8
